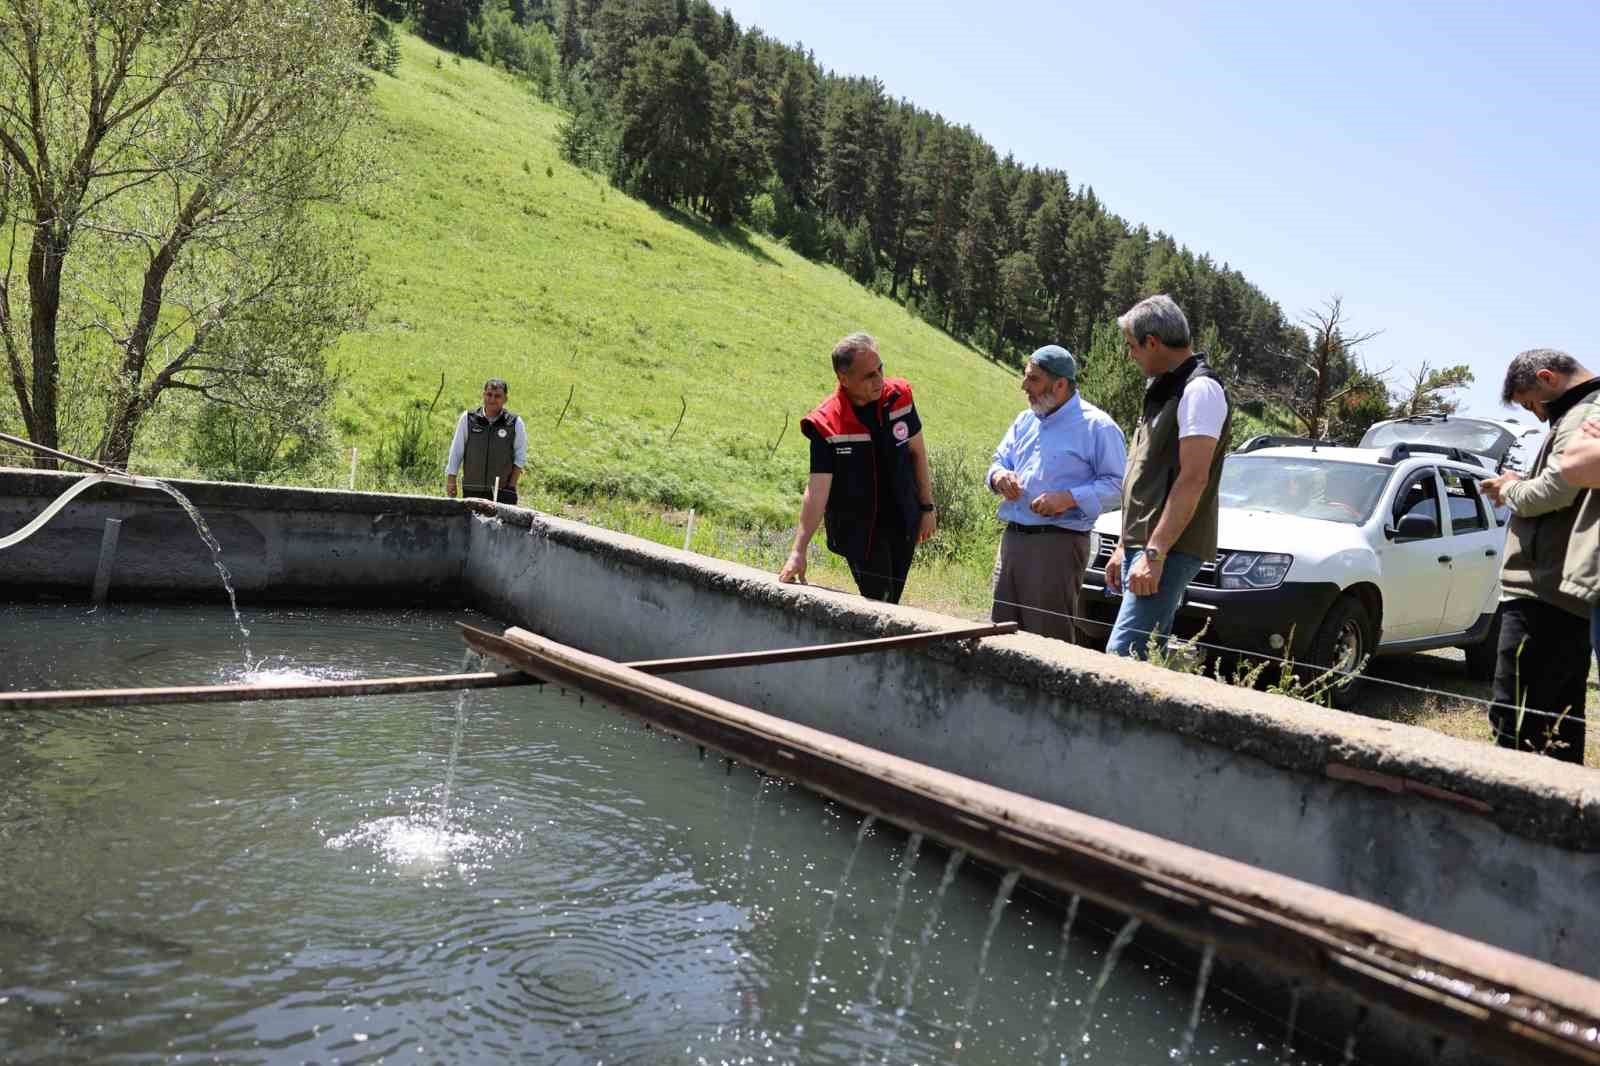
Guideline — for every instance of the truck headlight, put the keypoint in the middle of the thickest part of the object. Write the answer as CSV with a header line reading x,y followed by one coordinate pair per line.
x,y
1094,547
1253,570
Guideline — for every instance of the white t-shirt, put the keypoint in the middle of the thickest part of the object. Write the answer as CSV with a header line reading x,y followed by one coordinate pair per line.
x,y
1202,409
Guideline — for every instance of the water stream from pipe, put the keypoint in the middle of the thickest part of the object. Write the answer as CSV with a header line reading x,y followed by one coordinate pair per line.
x,y
827,923
1113,953
1002,896
1189,1031
1058,980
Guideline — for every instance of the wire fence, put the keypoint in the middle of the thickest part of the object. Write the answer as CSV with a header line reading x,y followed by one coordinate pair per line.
x,y
14,456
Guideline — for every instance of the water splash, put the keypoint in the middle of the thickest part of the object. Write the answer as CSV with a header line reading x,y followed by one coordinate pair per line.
x,y
1058,981
1001,897
216,558
908,866
1294,1014
827,923
1187,1043
1113,954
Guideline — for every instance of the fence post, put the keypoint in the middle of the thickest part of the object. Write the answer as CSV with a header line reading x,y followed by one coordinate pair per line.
x,y
688,533
352,468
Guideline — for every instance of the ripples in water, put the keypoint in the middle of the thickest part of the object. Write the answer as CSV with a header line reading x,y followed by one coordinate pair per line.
x,y
270,882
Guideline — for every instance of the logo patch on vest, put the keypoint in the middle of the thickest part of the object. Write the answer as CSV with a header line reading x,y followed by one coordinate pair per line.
x,y
502,433
901,431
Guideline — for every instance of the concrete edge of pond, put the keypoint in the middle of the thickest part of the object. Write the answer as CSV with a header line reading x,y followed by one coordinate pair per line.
x,y
1542,799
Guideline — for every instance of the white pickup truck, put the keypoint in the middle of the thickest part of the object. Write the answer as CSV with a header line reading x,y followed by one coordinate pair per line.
x,y
1331,554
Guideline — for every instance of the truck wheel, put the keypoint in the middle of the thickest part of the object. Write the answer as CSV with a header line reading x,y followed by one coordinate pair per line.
x,y
1481,657
1344,641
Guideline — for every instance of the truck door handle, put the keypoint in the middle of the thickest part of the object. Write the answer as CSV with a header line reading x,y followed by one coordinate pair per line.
x,y
1444,558
1489,553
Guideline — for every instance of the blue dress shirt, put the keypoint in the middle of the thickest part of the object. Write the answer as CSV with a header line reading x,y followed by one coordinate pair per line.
x,y
1076,448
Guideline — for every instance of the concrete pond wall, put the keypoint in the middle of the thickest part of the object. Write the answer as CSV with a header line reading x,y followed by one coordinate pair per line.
x,y
1495,845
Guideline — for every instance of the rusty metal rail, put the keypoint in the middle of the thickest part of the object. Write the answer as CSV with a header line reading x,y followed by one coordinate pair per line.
x,y
1518,1009
305,690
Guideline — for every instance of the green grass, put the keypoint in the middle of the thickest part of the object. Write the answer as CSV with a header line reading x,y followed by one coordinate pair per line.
x,y
490,256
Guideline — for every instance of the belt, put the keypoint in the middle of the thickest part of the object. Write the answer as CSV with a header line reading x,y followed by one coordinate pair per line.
x,y
1018,527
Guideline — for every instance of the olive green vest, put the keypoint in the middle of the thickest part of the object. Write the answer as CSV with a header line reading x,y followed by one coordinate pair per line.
x,y
1153,466
490,453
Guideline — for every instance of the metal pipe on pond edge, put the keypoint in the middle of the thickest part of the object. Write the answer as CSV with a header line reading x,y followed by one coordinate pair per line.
x,y
1521,1010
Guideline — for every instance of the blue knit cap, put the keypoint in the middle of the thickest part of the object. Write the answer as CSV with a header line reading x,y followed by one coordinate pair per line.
x,y
1056,360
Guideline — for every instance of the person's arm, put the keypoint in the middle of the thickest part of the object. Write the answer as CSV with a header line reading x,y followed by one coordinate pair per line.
x,y
1001,477
1194,471
1098,495
452,462
919,466
1549,490
812,506
519,453
1580,463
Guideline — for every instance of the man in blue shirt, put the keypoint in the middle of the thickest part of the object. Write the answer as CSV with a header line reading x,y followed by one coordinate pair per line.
x,y
1059,465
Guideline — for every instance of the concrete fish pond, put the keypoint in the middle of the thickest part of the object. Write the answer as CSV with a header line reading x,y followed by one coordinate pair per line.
x,y
1436,913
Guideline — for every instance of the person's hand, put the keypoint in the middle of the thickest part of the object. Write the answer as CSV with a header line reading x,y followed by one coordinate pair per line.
x,y
1591,427
1114,571
1495,487
1050,504
794,570
1144,577
928,526
1007,485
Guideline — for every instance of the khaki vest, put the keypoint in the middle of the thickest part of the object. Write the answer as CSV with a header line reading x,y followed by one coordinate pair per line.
x,y
1153,466
490,453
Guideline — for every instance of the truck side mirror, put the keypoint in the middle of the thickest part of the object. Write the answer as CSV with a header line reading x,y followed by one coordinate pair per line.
x,y
1414,527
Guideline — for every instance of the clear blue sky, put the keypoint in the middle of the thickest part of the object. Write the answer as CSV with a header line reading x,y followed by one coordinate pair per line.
x,y
1435,165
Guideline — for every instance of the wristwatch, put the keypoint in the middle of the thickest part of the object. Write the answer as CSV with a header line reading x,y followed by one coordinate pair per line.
x,y
1155,555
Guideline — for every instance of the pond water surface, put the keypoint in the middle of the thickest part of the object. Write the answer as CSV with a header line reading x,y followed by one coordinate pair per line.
x,y
278,882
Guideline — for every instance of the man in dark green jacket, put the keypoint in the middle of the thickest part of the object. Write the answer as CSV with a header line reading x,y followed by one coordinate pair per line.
x,y
1169,489
489,449
1542,670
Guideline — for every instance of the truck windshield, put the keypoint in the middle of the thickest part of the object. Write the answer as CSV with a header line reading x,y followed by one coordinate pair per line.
x,y
1311,488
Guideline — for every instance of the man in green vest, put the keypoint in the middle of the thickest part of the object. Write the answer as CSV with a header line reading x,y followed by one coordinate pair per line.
x,y
489,449
1169,491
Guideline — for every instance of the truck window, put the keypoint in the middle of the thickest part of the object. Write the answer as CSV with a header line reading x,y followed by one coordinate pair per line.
x,y
1466,508
1419,496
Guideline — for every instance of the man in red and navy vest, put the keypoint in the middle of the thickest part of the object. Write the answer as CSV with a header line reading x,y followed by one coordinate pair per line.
x,y
869,475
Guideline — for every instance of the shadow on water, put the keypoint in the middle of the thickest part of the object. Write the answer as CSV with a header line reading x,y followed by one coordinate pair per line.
x,y
733,237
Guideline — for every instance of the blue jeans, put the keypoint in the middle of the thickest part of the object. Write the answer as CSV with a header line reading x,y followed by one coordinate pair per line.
x,y
1142,619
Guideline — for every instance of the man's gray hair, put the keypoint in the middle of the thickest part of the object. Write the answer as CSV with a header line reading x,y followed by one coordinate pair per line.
x,y
1523,372
845,352
1159,315
497,383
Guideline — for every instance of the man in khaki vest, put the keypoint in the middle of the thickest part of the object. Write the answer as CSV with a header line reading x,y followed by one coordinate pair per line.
x,y
1169,491
1548,590
489,449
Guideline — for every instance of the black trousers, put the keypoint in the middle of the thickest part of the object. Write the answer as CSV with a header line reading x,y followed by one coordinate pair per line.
x,y
507,496
882,574
1543,666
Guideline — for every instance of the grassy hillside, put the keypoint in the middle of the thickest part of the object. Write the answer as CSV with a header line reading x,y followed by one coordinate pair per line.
x,y
491,256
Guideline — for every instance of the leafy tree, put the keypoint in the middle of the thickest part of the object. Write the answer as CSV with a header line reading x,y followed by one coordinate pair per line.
x,y
447,23
1325,374
1429,391
167,162
667,119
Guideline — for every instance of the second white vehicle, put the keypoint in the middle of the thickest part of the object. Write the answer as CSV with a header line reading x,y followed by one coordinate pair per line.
x,y
1331,555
